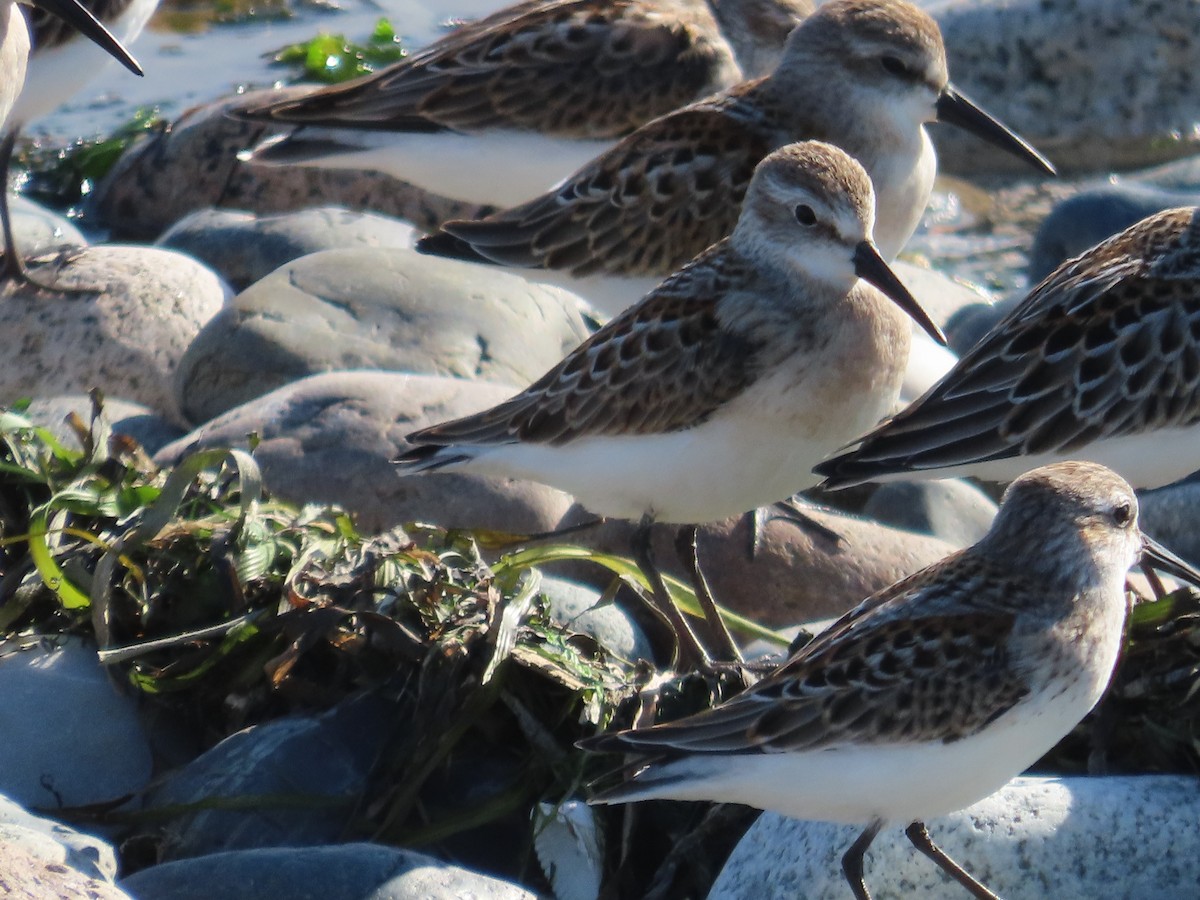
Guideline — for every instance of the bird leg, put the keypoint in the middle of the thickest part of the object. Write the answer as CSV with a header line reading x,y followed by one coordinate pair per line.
x,y
689,554
919,835
852,860
689,654
13,268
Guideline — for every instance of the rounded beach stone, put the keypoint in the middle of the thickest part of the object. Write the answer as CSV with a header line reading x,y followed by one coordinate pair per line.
x,y
53,843
139,422
70,739
38,230
126,339
1120,838
29,876
330,439
243,247
1169,515
573,605
767,588
341,872
377,309
1093,84
949,509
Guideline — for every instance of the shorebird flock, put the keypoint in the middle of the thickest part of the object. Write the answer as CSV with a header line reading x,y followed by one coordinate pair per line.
x,y
729,181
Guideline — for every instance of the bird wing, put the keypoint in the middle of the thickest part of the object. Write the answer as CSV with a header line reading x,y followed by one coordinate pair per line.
x,y
663,365
645,207
1108,345
614,64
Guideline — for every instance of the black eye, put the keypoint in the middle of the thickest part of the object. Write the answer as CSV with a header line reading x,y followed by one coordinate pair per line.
x,y
1123,514
893,66
805,215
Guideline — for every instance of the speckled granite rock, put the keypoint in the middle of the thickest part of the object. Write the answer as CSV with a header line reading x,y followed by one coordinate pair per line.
x,y
342,872
377,309
126,340
51,844
28,876
1120,838
1093,84
243,247
193,165
330,438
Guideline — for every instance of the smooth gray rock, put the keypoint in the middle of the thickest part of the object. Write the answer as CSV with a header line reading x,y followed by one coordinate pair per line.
x,y
319,764
951,510
127,339
243,247
342,872
37,230
1093,84
331,438
1169,515
573,605
395,310
1084,220
139,422
1081,838
69,737
968,326
54,842
30,876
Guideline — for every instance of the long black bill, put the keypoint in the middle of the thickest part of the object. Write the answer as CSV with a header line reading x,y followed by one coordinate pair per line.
x,y
870,267
1163,560
955,109
81,19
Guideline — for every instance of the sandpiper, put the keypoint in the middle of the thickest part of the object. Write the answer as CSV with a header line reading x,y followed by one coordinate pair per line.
x,y
1100,361
866,75
720,389
932,693
52,67
502,108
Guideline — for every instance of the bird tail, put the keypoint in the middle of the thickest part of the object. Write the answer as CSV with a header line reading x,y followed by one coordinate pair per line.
x,y
430,458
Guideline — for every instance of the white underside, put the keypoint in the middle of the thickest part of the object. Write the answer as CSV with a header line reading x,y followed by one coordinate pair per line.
x,y
903,179
57,74
500,168
895,783
14,52
1144,460
928,363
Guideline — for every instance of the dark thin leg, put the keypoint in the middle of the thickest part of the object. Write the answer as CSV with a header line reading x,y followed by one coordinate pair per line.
x,y
852,860
689,654
556,533
689,555
919,835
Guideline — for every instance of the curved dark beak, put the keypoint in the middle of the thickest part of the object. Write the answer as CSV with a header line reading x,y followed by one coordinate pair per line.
x,y
955,109
81,19
1163,560
870,267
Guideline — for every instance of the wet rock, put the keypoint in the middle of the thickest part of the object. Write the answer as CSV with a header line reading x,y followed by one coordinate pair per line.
x,y
949,509
342,872
377,309
193,165
798,574
37,230
1068,838
1094,85
321,763
1169,515
331,438
126,339
70,739
139,422
243,247
1082,221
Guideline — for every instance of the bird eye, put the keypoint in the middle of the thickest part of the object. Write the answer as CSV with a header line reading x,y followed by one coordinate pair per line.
x,y
893,66
805,215
1123,514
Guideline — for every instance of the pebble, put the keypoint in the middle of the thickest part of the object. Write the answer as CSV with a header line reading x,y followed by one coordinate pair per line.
x,y
343,872
951,510
126,340
574,606
52,843
38,230
377,309
70,738
1094,84
330,439
1120,838
242,247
